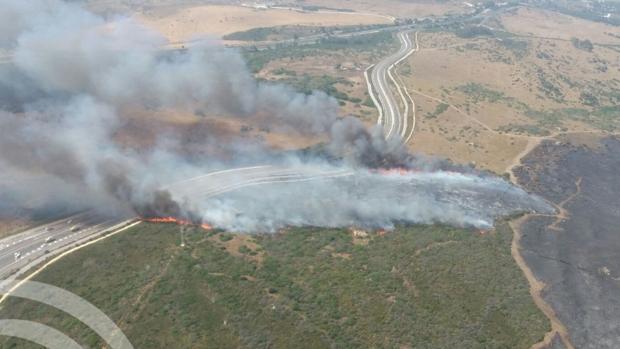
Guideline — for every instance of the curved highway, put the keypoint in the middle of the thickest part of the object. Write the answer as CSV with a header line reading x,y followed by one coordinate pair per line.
x,y
220,182
394,103
21,252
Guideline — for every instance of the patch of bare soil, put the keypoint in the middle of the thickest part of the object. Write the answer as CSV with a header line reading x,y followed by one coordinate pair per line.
x,y
487,102
180,24
396,8
537,22
194,130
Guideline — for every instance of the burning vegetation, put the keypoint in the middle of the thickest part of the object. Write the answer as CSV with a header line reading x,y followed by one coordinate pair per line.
x,y
176,221
64,101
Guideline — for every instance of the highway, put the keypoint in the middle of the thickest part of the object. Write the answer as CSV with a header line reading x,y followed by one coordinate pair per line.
x,y
21,252
220,182
395,105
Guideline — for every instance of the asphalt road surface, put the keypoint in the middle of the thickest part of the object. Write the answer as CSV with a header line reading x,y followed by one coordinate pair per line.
x,y
21,252
396,122
220,182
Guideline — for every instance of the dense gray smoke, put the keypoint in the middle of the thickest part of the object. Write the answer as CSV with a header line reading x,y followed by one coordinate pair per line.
x,y
76,80
366,199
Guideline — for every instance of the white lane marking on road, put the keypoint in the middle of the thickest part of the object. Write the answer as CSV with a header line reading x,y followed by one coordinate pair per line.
x,y
271,180
274,182
413,106
392,118
211,174
372,95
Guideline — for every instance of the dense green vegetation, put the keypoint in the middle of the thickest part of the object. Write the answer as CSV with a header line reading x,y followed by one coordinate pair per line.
x,y
519,48
287,32
472,31
418,287
604,118
480,93
318,8
534,130
308,83
377,42
254,34
441,107
585,45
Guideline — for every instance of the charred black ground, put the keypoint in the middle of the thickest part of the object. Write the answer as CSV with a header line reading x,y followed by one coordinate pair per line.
x,y
577,257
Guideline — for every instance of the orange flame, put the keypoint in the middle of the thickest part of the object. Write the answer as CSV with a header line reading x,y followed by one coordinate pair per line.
x,y
405,171
396,170
174,220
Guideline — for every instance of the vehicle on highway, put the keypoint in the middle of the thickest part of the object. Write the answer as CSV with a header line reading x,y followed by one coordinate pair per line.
x,y
75,228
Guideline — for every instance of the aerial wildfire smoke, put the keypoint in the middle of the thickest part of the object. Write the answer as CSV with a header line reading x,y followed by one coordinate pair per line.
x,y
76,78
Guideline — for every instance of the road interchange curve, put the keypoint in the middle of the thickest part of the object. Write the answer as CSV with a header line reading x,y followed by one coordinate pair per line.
x,y
381,83
23,251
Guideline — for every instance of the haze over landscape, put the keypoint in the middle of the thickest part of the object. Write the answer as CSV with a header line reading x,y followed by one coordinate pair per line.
x,y
320,167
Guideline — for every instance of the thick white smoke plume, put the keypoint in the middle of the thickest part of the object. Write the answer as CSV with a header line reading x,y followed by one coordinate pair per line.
x,y
367,199
76,79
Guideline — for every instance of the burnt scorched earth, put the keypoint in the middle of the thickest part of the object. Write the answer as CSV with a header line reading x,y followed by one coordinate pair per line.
x,y
577,253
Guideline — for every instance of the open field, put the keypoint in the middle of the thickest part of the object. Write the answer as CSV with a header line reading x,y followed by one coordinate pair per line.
x,y
452,135
528,21
480,99
529,94
186,23
334,66
142,128
396,8
416,287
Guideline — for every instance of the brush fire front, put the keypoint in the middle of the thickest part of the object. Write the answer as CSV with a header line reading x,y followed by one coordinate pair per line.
x,y
174,220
